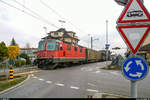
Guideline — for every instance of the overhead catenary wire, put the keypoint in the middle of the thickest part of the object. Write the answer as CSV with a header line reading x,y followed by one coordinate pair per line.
x,y
38,18
34,13
54,11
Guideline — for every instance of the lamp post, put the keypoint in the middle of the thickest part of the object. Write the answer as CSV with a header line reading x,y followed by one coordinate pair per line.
x,y
45,31
89,40
62,22
107,45
92,41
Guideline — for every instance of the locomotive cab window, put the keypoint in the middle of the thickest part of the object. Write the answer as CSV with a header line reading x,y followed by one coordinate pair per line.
x,y
50,46
68,47
75,49
61,48
80,49
41,46
57,46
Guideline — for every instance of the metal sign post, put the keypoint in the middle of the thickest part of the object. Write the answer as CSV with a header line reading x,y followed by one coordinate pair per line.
x,y
133,89
134,69
133,26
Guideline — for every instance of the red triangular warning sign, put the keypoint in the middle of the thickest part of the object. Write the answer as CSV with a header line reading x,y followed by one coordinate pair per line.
x,y
134,12
134,35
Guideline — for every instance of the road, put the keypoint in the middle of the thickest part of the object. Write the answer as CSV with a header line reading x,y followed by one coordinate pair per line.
x,y
77,82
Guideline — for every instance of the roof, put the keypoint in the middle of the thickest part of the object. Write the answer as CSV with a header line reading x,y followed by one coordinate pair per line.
x,y
145,48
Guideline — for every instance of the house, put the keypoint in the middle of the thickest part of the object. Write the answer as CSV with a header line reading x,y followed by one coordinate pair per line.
x,y
145,49
63,35
31,52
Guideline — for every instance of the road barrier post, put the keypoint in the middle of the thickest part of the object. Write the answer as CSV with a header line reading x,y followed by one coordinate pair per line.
x,y
11,72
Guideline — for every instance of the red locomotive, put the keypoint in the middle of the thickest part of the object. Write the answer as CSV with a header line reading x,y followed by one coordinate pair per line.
x,y
53,52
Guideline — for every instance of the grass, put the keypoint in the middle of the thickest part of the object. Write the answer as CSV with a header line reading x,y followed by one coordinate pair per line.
x,y
6,84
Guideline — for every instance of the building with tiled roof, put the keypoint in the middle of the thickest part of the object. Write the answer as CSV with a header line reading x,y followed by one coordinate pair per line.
x,y
63,35
31,52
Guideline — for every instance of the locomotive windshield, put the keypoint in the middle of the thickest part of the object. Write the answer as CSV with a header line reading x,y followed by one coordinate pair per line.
x,y
41,46
52,46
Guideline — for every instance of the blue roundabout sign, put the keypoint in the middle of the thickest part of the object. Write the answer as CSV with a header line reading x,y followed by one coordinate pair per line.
x,y
135,69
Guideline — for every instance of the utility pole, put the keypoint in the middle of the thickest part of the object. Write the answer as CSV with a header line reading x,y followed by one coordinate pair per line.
x,y
45,31
91,42
106,40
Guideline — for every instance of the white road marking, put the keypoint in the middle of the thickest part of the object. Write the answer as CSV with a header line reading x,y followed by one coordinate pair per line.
x,y
59,84
97,72
49,82
74,87
82,68
91,84
41,79
91,90
115,73
86,69
32,74
34,77
90,69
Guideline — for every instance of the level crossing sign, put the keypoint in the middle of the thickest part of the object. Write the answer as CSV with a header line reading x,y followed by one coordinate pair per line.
x,y
134,12
134,35
135,69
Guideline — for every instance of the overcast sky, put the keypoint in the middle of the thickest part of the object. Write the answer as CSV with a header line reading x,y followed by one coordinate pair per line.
x,y
88,15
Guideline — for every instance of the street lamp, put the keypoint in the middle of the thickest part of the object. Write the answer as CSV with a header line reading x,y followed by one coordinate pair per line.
x,y
45,29
62,22
89,40
107,45
92,41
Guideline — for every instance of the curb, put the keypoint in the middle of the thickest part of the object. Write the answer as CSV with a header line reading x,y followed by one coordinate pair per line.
x,y
4,91
26,72
100,95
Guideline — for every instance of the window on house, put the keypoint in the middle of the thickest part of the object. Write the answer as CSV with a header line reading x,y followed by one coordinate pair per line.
x,y
55,33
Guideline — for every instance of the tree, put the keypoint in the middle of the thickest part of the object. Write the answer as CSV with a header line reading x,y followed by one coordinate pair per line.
x,y
23,55
13,42
28,61
13,51
3,51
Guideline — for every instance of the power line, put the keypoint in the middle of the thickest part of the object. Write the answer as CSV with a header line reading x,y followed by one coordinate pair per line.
x,y
35,13
54,11
38,18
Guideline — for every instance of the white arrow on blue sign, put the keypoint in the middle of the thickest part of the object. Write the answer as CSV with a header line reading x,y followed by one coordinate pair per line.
x,y
135,68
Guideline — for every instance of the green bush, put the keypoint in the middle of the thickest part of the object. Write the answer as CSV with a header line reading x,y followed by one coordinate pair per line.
x,y
23,62
28,61
17,63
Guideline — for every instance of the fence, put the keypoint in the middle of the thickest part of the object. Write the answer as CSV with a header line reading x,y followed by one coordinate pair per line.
x,y
4,71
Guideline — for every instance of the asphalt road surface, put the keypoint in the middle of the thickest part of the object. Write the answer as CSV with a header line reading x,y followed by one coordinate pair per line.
x,y
77,82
